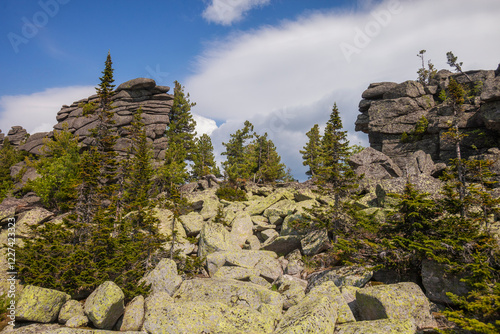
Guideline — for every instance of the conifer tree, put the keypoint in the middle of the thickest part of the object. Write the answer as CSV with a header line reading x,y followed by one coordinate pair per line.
x,y
180,140
238,164
59,168
265,160
311,153
9,156
203,158
335,151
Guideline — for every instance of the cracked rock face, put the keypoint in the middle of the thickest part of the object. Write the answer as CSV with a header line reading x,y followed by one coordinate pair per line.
x,y
388,110
129,96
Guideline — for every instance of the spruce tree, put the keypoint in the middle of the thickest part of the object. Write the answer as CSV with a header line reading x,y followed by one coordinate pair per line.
x,y
180,140
335,151
265,160
311,153
238,164
203,158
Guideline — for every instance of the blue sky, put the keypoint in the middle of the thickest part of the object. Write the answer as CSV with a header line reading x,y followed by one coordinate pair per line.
x,y
279,63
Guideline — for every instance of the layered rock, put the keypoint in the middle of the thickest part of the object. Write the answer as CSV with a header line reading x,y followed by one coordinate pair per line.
x,y
389,109
129,96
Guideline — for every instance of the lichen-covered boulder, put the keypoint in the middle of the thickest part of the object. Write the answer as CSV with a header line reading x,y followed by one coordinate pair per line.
x,y
399,301
192,222
315,241
210,207
257,207
165,219
105,305
34,329
157,300
39,304
238,273
164,277
313,314
207,317
31,218
214,238
282,245
385,326
292,289
349,295
227,291
291,225
134,315
342,276
241,228
282,208
77,321
258,263
70,309
344,313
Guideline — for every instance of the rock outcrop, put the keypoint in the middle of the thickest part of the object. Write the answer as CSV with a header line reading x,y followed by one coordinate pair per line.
x,y
129,96
389,109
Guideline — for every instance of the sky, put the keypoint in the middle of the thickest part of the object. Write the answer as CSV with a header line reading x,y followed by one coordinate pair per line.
x,y
280,64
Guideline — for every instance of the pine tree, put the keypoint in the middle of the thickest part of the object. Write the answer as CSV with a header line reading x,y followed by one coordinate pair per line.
x,y
425,74
238,164
203,158
312,152
9,156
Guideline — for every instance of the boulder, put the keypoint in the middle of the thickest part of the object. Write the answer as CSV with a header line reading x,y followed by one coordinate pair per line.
x,y
406,89
69,310
374,165
349,295
438,281
344,313
35,329
292,289
315,241
37,304
30,218
210,207
207,317
377,90
420,163
214,237
77,321
163,278
386,326
229,292
295,264
257,263
269,235
133,317
491,90
282,208
257,207
400,301
252,243
313,314
165,218
342,276
105,305
241,228
136,84
282,245
192,222
157,301
295,224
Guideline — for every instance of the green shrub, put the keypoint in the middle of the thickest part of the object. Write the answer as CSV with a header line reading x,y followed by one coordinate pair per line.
x,y
417,133
231,194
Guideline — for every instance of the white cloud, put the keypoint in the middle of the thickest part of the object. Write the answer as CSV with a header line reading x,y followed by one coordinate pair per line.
x,y
37,112
226,12
286,78
204,125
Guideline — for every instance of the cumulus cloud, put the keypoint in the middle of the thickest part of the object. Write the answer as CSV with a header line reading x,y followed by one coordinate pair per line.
x,y
226,12
37,112
285,78
204,125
